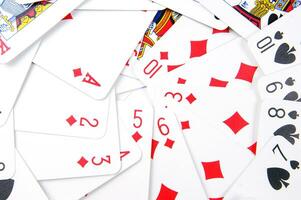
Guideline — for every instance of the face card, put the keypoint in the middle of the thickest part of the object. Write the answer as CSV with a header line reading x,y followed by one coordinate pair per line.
x,y
23,24
173,173
278,46
14,73
283,85
68,157
193,10
278,118
7,152
77,67
22,185
61,111
274,174
213,153
248,16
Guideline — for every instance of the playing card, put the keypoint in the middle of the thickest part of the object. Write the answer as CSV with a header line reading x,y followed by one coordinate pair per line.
x,y
55,157
22,185
13,73
274,174
278,46
248,16
140,122
77,67
7,152
278,118
119,5
173,174
23,24
213,153
163,21
75,188
141,132
283,85
221,89
60,111
193,10
195,40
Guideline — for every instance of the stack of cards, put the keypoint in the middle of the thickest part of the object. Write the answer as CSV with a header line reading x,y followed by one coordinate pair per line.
x,y
150,100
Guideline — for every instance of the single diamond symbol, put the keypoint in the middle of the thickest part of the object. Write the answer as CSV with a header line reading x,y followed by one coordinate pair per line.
x,y
82,162
71,120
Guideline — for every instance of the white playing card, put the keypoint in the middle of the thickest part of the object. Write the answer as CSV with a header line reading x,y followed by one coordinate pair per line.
x,y
92,63
283,85
75,188
278,46
248,16
7,152
162,23
218,89
59,109
173,174
22,25
140,122
274,174
213,152
119,5
278,118
127,102
195,40
55,157
12,76
22,185
193,10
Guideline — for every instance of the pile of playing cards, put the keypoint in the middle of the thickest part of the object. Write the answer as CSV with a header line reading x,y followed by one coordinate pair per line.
x,y
150,100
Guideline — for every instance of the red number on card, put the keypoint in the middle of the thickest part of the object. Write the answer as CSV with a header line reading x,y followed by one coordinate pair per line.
x,y
138,119
163,128
174,95
102,160
82,120
152,68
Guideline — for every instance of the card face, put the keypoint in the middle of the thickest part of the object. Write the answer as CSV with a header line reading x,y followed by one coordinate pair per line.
x,y
248,16
76,188
61,111
222,91
278,46
22,185
136,113
173,173
213,153
195,39
72,157
283,85
7,152
12,76
23,24
274,174
77,67
119,5
278,118
193,10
